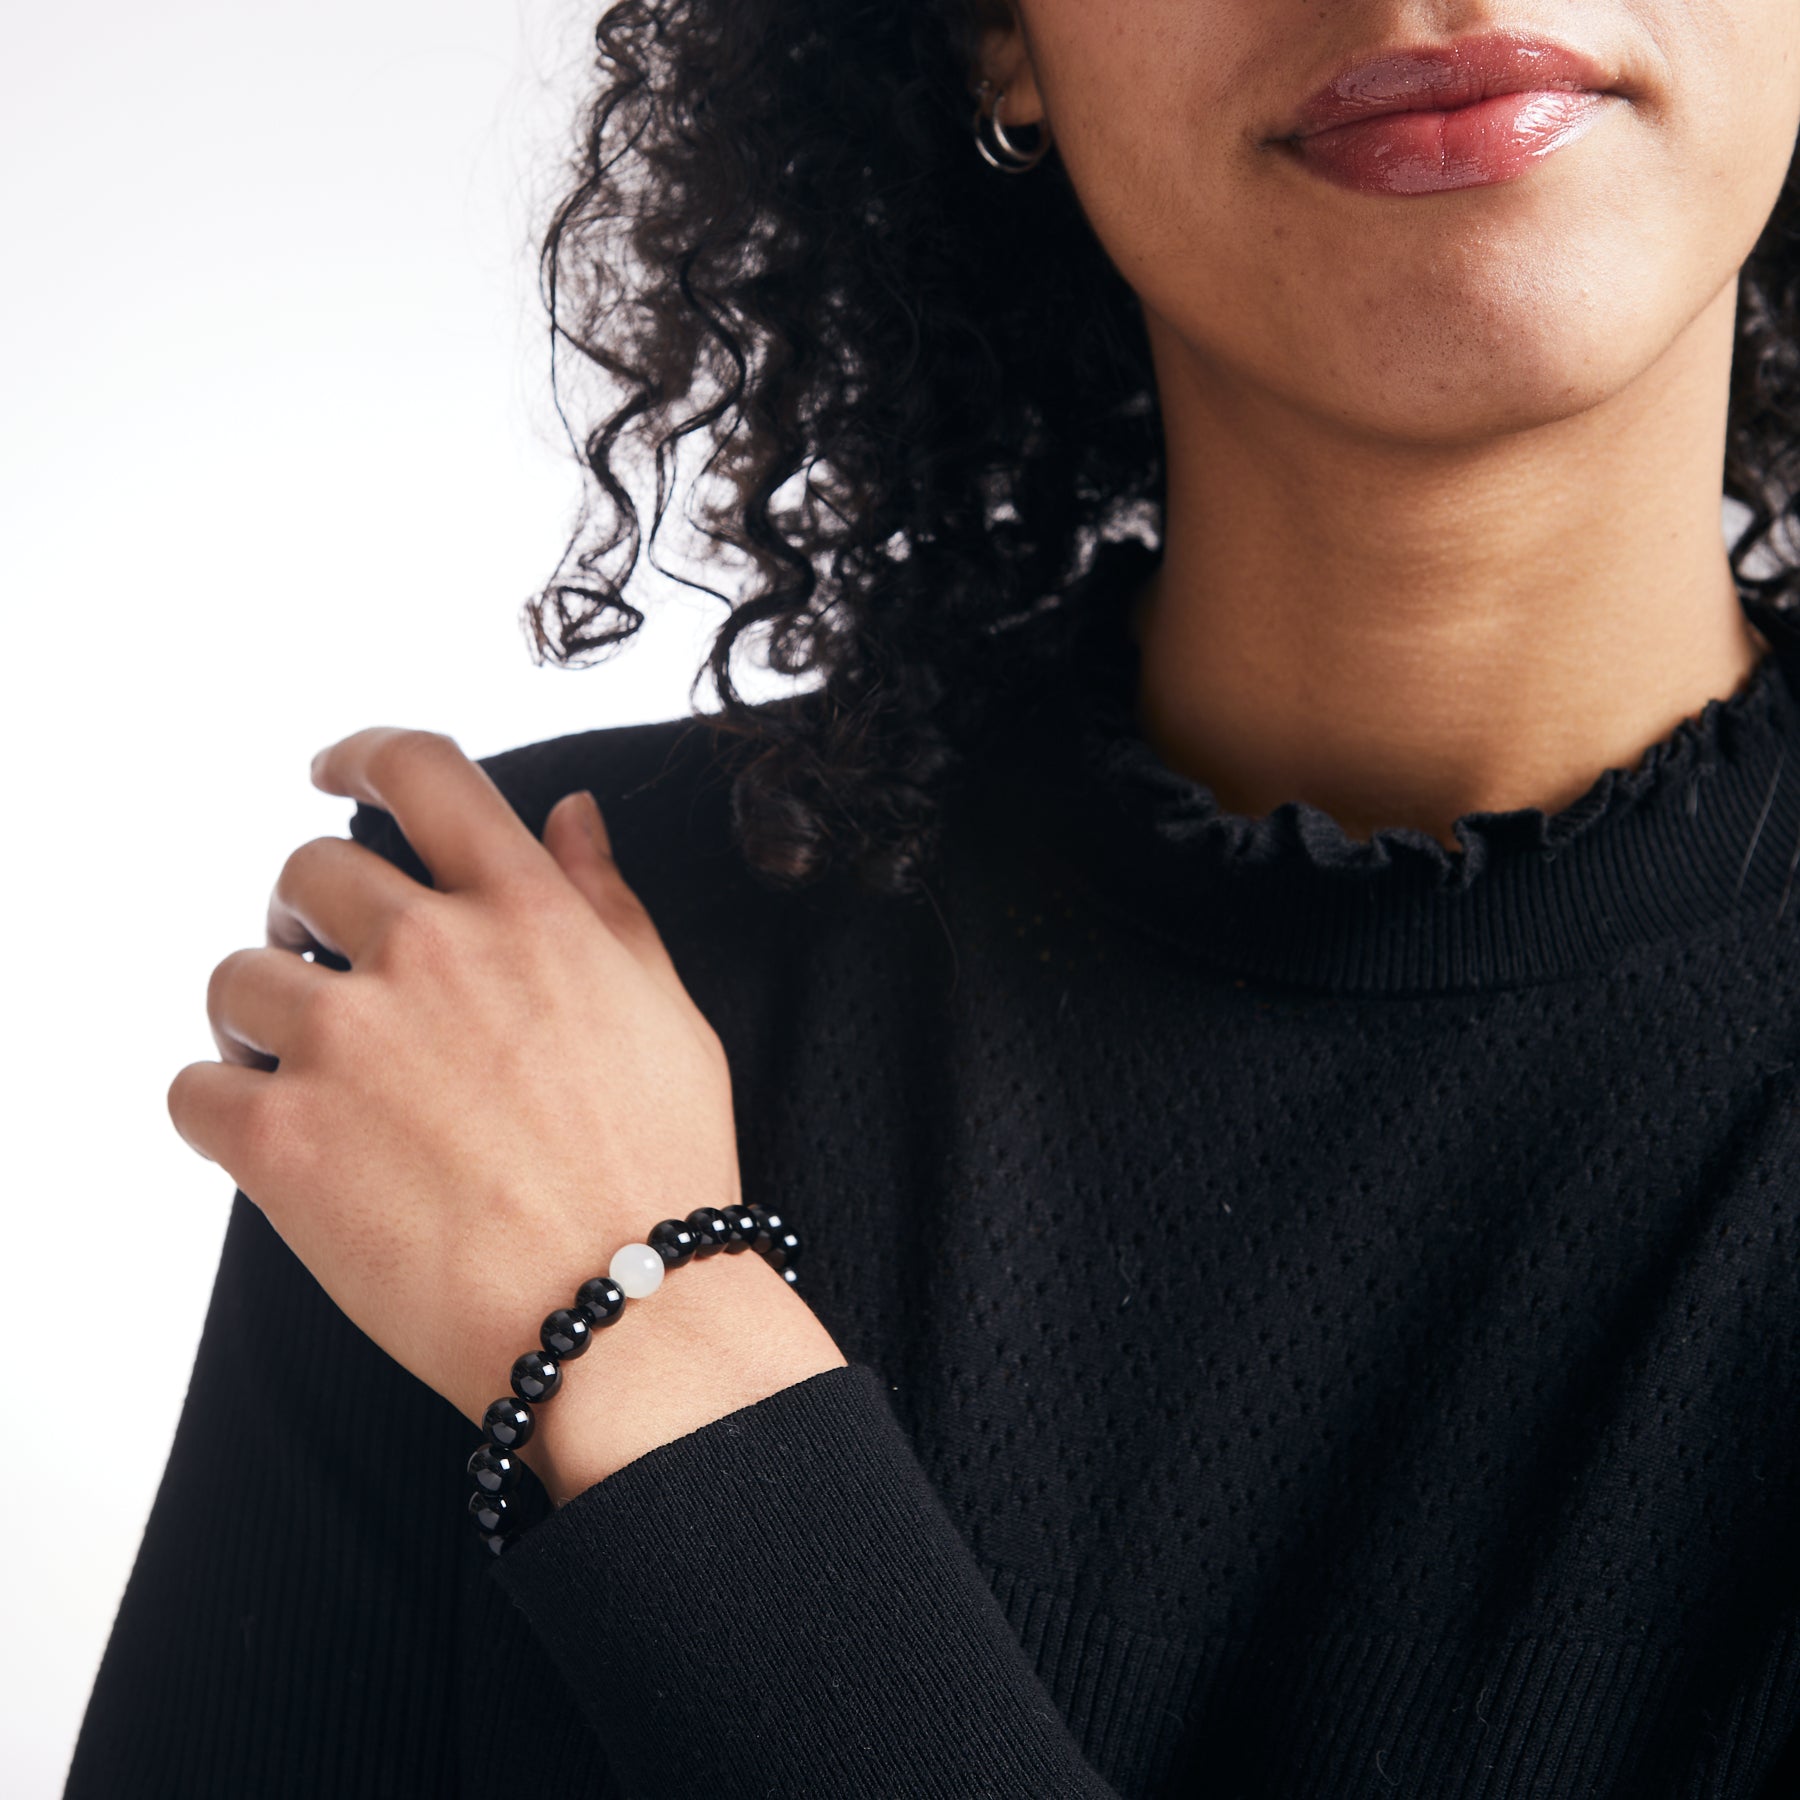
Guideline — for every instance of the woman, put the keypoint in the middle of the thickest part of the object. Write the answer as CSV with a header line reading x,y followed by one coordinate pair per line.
x,y
1262,971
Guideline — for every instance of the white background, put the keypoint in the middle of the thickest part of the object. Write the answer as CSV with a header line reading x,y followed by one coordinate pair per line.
x,y
276,462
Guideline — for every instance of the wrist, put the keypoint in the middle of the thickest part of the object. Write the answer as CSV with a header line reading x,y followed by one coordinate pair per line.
x,y
720,1334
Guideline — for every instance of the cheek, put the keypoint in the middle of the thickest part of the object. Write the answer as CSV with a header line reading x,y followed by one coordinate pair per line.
x,y
1174,190
1710,143
1733,124
1154,116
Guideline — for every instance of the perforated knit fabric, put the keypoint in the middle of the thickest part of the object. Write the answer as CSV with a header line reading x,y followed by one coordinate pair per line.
x,y
1322,1321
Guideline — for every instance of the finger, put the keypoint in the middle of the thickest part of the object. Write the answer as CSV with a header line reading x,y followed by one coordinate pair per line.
x,y
257,1002
584,854
221,1112
447,807
339,895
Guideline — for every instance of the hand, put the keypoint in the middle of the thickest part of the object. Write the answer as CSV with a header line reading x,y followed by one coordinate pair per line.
x,y
508,1083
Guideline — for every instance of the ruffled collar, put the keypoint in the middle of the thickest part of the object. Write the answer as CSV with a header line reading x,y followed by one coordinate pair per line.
x,y
1705,822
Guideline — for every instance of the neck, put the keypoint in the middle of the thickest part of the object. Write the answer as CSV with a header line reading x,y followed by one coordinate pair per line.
x,y
1401,633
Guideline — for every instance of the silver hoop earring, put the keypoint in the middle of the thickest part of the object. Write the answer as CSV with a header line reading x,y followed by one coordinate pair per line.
x,y
1005,153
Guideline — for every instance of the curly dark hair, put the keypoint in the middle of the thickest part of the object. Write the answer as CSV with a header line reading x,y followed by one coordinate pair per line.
x,y
778,237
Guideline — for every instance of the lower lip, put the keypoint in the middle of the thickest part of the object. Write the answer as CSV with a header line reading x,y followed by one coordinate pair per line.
x,y
1497,139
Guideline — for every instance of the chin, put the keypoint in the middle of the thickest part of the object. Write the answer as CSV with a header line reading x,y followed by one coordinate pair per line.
x,y
1449,378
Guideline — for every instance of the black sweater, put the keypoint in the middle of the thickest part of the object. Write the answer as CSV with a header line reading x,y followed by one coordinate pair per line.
x,y
1322,1321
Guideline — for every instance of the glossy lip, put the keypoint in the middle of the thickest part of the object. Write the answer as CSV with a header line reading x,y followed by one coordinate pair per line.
x,y
1441,78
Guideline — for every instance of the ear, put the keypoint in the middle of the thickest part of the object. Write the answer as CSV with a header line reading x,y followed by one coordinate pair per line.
x,y
1003,58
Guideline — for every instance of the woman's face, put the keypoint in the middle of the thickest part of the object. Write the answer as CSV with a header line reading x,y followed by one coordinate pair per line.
x,y
1430,316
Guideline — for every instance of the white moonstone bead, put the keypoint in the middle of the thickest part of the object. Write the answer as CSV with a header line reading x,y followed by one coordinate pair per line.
x,y
637,1269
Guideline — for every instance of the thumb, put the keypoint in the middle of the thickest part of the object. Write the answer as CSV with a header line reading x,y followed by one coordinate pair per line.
x,y
575,834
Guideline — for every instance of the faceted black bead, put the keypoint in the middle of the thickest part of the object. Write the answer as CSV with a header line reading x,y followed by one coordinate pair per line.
x,y
784,1252
565,1334
674,1240
710,1230
495,1470
536,1376
764,1234
602,1299
509,1422
493,1512
741,1228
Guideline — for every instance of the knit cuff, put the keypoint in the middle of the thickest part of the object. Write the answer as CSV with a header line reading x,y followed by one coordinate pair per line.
x,y
778,1603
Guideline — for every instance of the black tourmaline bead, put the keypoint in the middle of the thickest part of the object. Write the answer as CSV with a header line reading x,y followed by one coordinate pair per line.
x,y
791,1276
602,1299
493,1512
710,1230
536,1376
496,1541
509,1422
784,1252
565,1334
760,1242
496,1471
741,1228
674,1240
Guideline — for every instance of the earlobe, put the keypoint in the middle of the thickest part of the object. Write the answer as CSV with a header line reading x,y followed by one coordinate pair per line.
x,y
1024,104
1004,64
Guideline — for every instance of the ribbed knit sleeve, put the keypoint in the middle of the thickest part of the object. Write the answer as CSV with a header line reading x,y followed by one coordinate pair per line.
x,y
289,1627
779,1604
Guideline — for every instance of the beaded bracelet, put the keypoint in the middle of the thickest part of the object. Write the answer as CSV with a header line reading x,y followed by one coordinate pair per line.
x,y
636,1271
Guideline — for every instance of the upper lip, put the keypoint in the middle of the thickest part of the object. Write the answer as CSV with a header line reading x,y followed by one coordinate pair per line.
x,y
1439,77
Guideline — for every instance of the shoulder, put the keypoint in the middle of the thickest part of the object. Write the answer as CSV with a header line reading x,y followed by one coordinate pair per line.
x,y
665,783
664,789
